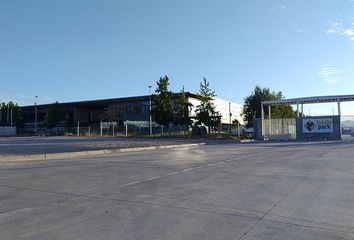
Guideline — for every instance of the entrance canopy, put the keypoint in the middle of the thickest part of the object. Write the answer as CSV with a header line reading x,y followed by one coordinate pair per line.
x,y
311,100
308,100
304,127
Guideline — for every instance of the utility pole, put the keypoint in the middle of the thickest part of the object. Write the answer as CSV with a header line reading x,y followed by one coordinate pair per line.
x,y
150,117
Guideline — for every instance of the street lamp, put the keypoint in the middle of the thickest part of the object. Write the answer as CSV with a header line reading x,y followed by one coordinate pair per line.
x,y
230,115
150,117
35,114
8,114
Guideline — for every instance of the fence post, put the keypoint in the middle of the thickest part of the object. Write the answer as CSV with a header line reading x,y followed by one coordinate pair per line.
x,y
78,128
113,130
89,130
101,128
126,130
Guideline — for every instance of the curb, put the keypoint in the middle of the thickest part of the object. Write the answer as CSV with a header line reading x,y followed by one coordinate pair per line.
x,y
48,156
247,141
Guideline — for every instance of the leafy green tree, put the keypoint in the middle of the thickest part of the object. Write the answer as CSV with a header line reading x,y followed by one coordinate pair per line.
x,y
252,106
53,117
206,113
162,111
10,109
3,114
182,110
236,123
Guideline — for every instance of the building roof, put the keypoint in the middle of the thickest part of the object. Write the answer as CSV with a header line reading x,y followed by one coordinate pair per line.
x,y
111,100
311,100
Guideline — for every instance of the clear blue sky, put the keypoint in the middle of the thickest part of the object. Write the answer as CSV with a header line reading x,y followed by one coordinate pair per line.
x,y
72,50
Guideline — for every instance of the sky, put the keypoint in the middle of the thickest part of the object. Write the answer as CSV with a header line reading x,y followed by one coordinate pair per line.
x,y
71,50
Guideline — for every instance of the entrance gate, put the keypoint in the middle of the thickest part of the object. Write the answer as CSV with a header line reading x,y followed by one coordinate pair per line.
x,y
305,127
280,129
347,127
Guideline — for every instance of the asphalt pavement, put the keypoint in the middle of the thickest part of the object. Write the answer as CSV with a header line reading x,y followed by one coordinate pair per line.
x,y
218,191
11,146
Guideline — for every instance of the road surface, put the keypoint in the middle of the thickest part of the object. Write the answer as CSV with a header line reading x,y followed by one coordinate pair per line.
x,y
221,191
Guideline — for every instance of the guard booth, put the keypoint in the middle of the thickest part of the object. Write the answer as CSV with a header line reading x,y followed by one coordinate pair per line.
x,y
302,127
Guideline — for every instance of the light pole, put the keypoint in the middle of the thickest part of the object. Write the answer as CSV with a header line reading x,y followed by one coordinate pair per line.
x,y
150,117
35,114
11,117
230,115
8,114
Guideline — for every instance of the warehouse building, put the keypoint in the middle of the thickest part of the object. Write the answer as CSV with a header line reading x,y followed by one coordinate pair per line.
x,y
117,110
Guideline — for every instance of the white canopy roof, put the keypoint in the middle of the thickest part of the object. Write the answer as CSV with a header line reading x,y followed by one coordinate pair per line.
x,y
311,100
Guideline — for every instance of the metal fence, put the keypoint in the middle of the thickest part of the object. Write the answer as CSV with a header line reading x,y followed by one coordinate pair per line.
x,y
6,131
129,128
276,129
347,126
279,129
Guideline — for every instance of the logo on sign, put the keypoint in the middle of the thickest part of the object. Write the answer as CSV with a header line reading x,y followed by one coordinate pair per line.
x,y
310,125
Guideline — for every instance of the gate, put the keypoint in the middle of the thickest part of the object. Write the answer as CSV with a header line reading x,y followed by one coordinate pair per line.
x,y
347,126
280,129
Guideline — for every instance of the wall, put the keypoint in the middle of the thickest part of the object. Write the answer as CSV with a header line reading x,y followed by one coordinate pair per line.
x,y
334,135
300,135
222,106
7,131
257,129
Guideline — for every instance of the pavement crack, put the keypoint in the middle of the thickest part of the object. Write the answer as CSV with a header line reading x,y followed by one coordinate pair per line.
x,y
278,202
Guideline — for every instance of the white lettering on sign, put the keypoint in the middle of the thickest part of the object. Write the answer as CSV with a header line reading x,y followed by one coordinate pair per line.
x,y
317,125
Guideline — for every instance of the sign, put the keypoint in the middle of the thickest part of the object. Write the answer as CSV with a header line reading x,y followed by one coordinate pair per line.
x,y
106,125
317,125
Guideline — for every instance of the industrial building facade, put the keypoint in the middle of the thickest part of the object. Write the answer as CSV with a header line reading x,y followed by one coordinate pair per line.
x,y
118,110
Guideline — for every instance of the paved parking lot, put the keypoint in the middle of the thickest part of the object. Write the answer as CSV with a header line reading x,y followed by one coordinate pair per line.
x,y
223,191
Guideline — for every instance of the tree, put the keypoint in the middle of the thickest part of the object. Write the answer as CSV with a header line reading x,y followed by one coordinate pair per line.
x,y
162,111
182,110
10,111
252,105
206,113
53,117
236,123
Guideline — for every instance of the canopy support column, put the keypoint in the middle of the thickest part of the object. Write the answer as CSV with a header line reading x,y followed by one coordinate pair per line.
x,y
270,119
